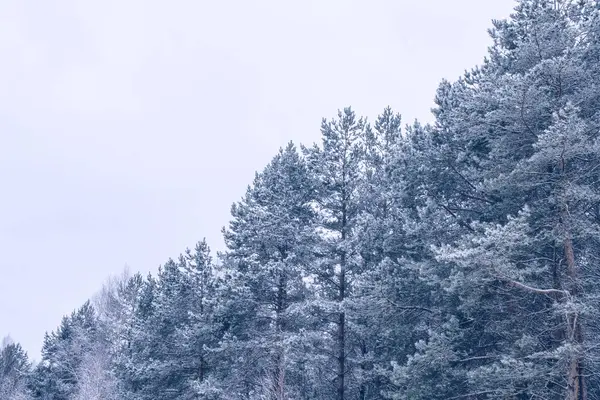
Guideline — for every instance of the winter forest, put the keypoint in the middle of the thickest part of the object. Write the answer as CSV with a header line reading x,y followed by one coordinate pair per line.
x,y
453,260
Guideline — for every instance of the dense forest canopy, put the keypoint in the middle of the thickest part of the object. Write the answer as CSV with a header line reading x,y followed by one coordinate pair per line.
x,y
457,260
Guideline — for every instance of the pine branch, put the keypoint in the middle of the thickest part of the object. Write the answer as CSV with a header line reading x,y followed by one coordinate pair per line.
x,y
532,289
410,308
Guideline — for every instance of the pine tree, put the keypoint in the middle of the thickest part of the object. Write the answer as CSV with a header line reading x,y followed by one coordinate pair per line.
x,y
398,292
267,243
540,258
337,168
14,371
130,362
201,332
63,351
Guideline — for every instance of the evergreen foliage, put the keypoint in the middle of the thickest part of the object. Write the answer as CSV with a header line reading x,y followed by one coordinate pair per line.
x,y
457,260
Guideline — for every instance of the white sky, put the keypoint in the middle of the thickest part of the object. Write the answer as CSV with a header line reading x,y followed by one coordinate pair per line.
x,y
128,127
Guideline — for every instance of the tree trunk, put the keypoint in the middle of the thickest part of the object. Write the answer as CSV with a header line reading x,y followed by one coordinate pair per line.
x,y
279,378
576,389
342,333
362,394
575,379
279,372
341,384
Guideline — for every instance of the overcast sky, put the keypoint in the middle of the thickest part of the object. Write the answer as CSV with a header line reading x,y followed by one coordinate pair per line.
x,y
128,127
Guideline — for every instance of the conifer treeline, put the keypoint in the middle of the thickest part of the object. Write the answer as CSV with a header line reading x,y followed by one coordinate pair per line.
x,y
458,260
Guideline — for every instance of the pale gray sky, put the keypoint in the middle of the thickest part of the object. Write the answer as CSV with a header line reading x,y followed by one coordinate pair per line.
x,y
128,127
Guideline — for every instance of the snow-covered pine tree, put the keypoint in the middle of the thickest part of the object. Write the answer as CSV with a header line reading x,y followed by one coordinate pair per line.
x,y
15,369
337,168
370,316
398,291
172,324
268,242
130,362
202,332
56,377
